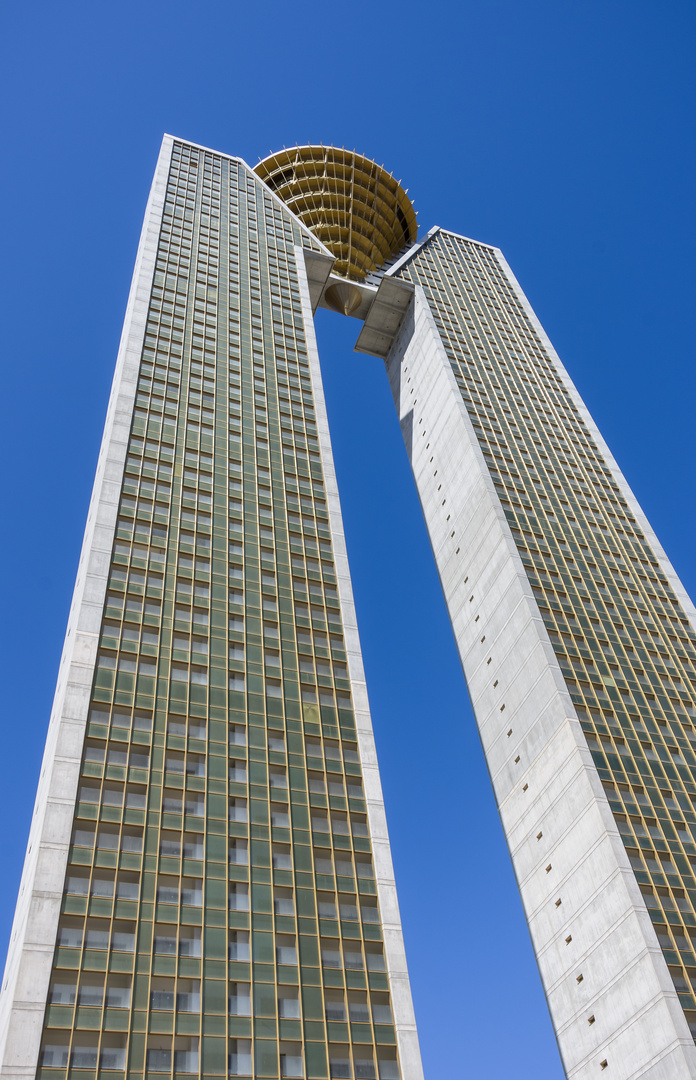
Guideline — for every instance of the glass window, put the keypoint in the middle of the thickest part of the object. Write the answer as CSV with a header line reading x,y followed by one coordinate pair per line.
x,y
239,945
240,999
288,1004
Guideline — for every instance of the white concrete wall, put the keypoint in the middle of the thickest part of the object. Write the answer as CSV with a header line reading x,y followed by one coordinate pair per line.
x,y
28,969
395,954
559,827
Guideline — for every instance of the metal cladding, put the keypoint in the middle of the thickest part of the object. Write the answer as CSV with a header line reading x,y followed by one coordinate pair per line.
x,y
354,206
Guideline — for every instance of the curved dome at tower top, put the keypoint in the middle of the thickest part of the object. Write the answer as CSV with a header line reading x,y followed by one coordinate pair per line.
x,y
354,206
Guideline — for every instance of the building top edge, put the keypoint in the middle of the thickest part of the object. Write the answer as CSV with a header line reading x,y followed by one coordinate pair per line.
x,y
240,161
407,255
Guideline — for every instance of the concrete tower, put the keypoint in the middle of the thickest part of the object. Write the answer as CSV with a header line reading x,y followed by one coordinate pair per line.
x,y
208,885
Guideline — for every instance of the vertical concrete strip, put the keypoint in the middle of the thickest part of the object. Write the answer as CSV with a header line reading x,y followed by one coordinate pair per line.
x,y
395,954
28,969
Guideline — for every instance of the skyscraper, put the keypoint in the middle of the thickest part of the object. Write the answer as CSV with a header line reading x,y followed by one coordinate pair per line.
x,y
208,887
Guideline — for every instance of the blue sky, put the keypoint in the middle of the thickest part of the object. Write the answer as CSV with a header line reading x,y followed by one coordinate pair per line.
x,y
561,132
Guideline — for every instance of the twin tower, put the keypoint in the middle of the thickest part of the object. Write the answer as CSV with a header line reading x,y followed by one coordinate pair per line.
x,y
208,888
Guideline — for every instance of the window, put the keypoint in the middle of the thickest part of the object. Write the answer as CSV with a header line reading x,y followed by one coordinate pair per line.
x,y
118,992
282,859
280,819
162,994
123,938
353,960
286,952
188,998
159,1059
190,941
238,810
291,1062
136,798
84,1056
128,888
238,853
83,838
238,773
97,937
335,1008
131,840
70,936
375,960
55,1056
283,903
381,1010
170,844
339,1063
62,993
174,762
193,846
240,999
168,891
78,885
358,1010
330,956
239,897
364,1066
195,805
322,863
239,945
240,1057
192,892
195,763
165,941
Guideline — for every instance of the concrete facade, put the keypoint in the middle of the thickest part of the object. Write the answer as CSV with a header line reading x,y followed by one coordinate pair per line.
x,y
609,991
24,1016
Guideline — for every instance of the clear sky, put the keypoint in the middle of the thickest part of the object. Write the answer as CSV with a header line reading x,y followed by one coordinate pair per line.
x,y
561,132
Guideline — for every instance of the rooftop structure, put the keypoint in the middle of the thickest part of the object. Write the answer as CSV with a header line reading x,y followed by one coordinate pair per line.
x,y
351,204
